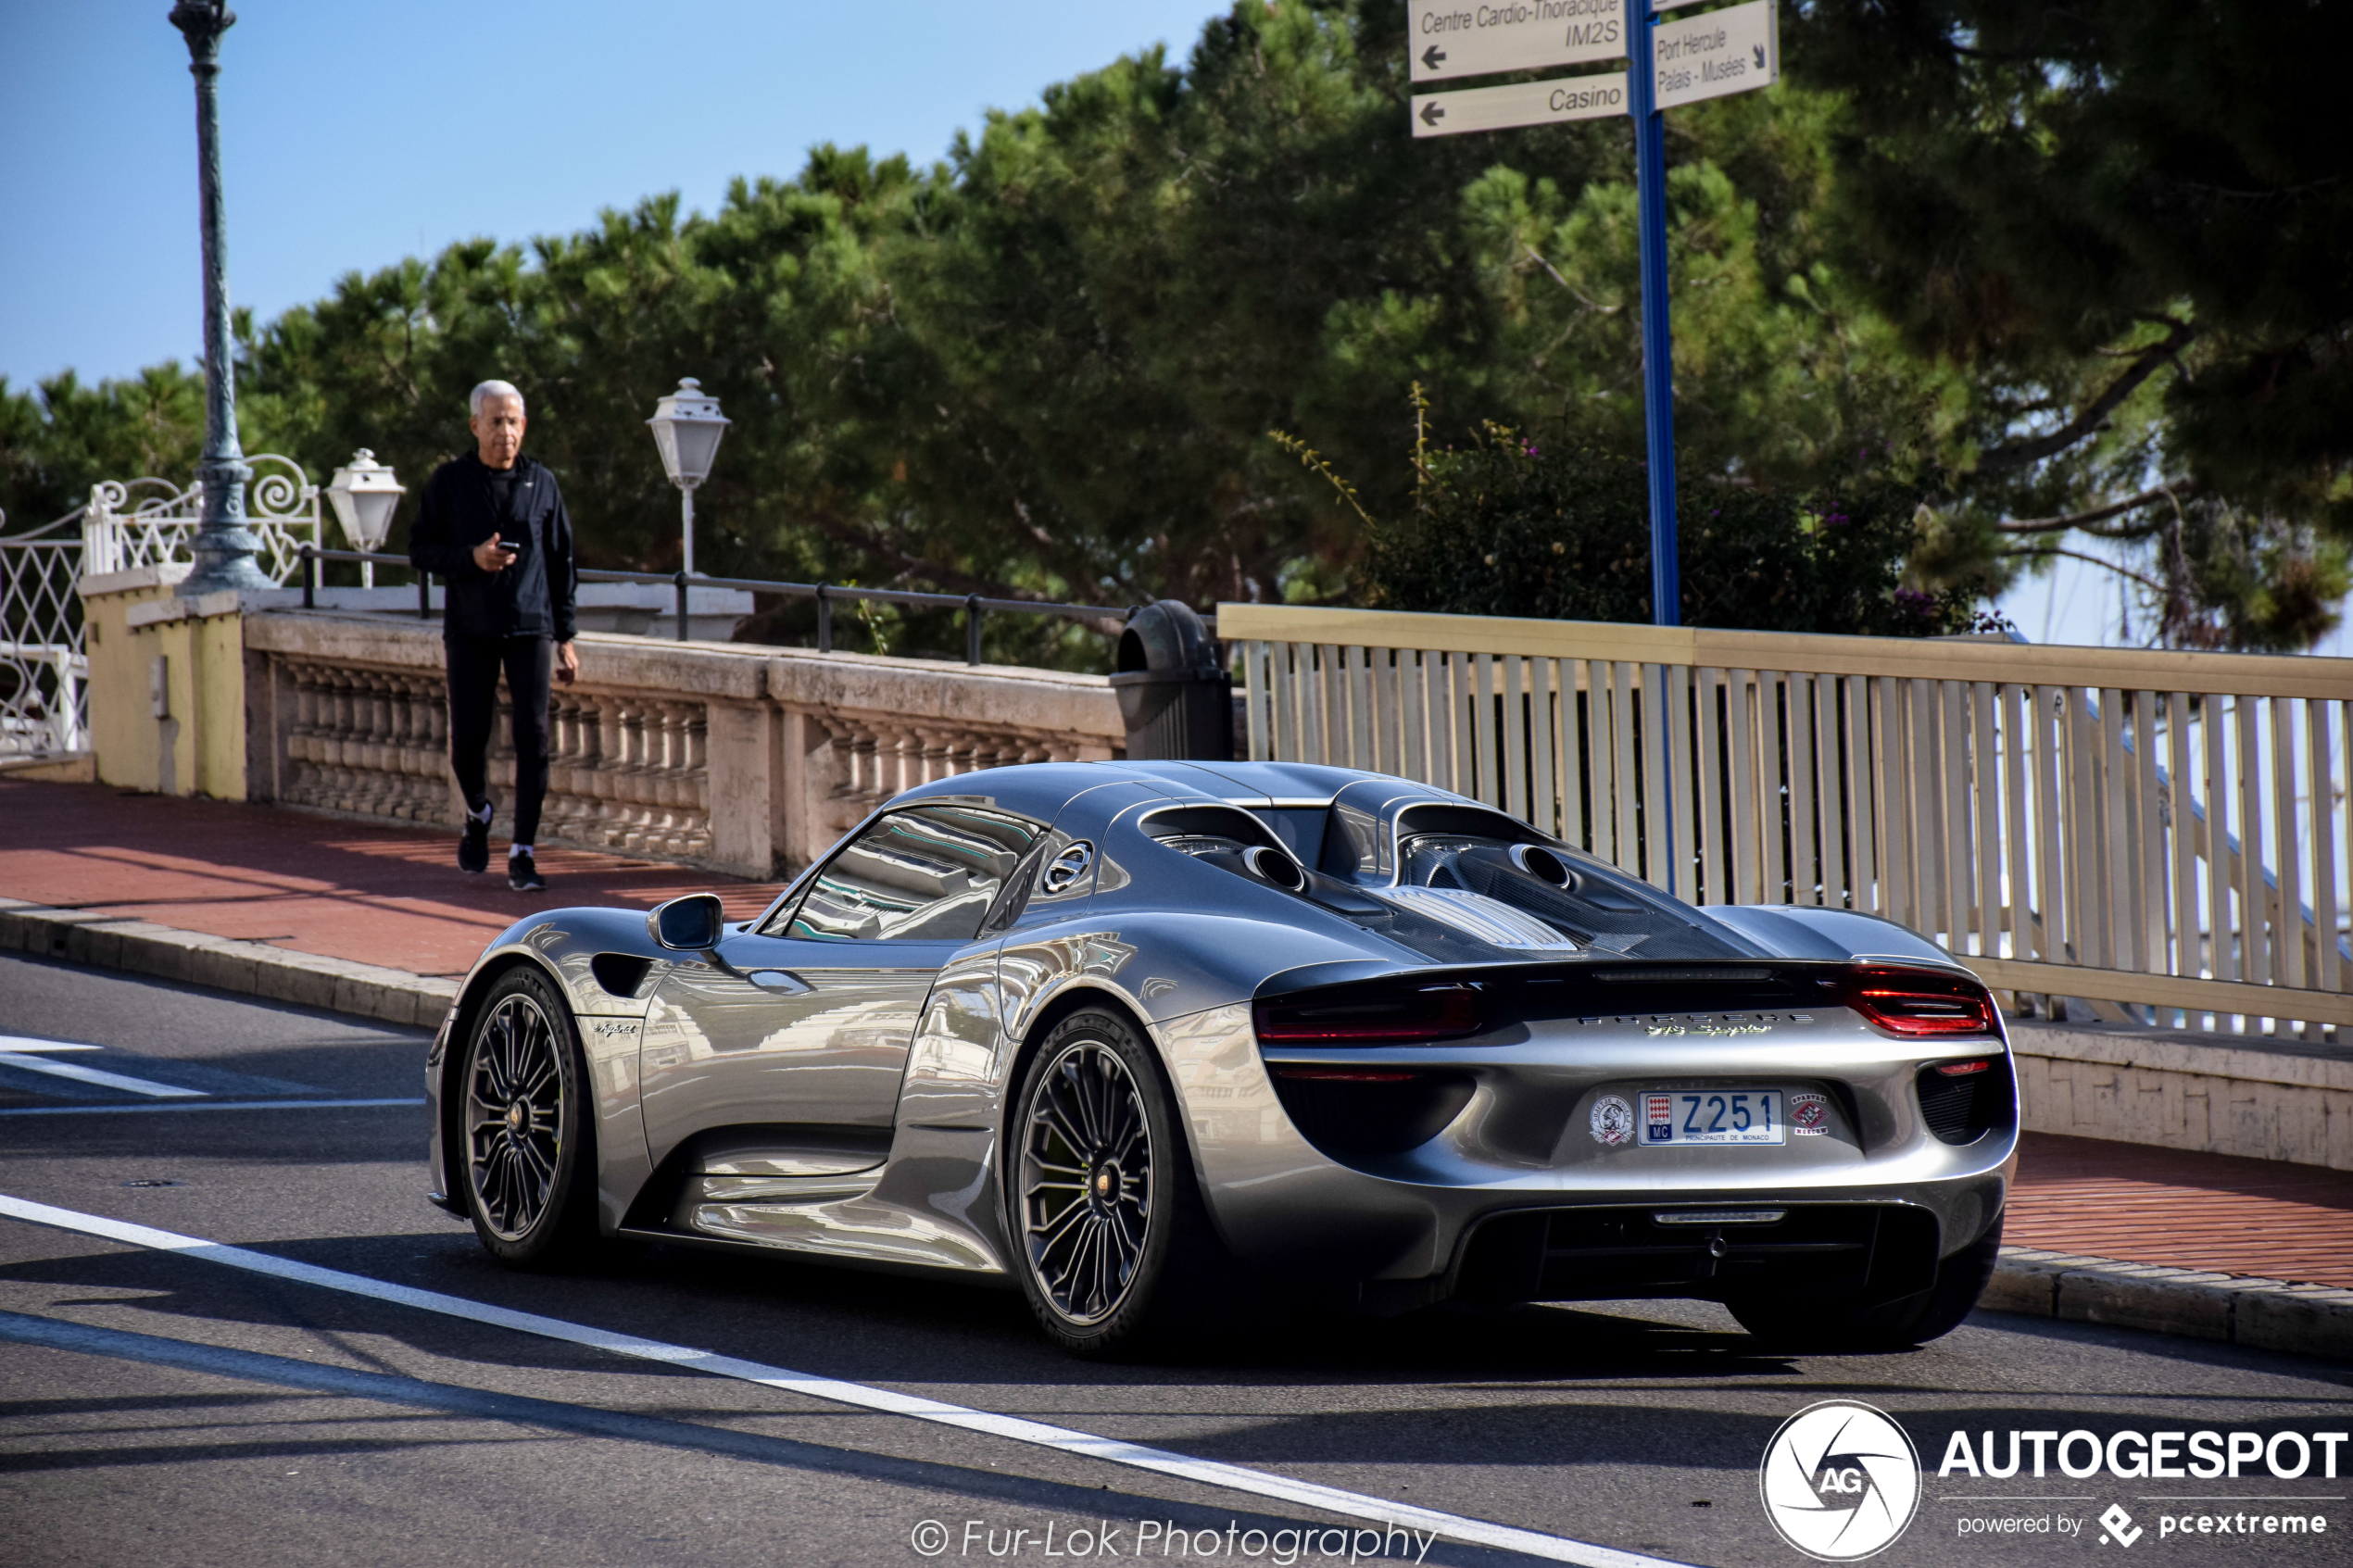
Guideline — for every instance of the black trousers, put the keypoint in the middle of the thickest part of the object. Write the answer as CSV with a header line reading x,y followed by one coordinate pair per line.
x,y
474,664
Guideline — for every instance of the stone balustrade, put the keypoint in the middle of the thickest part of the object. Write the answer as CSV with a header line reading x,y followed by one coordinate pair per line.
x,y
738,757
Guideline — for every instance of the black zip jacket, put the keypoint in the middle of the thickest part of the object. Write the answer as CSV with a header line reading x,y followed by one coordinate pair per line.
x,y
531,597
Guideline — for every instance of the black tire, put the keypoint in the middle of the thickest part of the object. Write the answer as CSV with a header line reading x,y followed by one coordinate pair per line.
x,y
1835,1326
1111,1241
528,1158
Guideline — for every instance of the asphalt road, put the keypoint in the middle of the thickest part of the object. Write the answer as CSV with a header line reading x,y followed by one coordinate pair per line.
x,y
162,1407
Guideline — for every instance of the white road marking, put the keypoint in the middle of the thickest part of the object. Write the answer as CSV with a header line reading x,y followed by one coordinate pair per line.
x,y
26,1043
208,1105
1234,1477
105,1080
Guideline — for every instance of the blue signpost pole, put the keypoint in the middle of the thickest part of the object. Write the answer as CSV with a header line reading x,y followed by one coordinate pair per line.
x,y
1658,361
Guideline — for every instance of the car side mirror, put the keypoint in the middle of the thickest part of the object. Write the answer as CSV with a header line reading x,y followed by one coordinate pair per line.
x,y
691,924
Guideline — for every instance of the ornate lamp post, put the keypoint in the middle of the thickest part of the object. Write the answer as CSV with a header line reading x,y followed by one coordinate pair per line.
x,y
223,545
364,493
688,425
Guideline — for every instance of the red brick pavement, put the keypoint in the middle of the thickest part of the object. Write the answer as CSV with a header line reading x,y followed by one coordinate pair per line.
x,y
377,895
2146,1204
395,897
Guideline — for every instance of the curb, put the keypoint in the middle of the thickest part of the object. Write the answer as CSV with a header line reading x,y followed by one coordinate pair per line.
x,y
252,969
2269,1314
2312,1320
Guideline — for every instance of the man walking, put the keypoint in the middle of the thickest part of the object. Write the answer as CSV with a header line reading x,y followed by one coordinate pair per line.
x,y
493,527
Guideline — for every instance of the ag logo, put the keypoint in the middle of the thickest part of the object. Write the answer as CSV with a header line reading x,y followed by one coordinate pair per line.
x,y
1840,1480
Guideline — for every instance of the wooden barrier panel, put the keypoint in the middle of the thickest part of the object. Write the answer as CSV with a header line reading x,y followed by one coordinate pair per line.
x,y
2042,811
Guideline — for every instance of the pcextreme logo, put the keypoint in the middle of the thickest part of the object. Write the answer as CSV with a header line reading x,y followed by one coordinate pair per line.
x,y
1841,1481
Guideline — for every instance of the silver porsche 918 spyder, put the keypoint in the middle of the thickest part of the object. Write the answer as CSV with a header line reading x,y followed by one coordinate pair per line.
x,y
1155,1039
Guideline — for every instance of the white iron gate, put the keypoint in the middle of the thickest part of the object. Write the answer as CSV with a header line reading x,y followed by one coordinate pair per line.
x,y
42,667
127,523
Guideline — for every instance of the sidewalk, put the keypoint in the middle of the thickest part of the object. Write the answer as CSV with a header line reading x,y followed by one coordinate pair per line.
x,y
317,884
2092,1224
2207,1212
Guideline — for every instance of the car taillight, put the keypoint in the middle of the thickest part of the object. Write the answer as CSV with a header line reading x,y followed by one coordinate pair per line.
x,y
1917,1002
1962,1069
1386,1016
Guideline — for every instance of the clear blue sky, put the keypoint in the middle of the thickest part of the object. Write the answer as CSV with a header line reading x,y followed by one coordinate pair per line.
x,y
355,134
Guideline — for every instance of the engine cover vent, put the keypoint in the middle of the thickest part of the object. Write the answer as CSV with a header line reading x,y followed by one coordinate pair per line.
x,y
1489,919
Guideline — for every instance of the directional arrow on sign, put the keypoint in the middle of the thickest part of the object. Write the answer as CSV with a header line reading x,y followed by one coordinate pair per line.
x,y
1433,56
1432,113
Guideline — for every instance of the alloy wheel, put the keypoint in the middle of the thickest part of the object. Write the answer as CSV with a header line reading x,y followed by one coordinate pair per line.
x,y
514,1116
1085,1180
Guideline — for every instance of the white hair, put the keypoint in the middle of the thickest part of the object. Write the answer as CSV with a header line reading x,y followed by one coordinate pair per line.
x,y
492,389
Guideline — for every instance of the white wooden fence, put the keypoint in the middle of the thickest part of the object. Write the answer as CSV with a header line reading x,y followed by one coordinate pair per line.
x,y
2164,832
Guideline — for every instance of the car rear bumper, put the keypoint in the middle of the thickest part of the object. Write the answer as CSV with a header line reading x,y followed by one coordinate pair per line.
x,y
1525,1144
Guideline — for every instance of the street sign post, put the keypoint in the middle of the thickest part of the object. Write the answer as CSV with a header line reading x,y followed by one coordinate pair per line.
x,y
1521,103
1449,41
1669,63
1658,355
1734,50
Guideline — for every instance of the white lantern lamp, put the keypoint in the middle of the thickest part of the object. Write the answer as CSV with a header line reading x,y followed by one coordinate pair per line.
x,y
688,425
365,493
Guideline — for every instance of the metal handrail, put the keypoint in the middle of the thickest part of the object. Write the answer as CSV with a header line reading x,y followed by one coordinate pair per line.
x,y
974,605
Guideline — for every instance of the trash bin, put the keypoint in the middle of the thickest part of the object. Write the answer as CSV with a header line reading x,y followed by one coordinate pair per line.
x,y
1175,696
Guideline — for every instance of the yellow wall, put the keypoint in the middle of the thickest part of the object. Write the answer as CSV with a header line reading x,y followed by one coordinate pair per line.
x,y
216,652
198,745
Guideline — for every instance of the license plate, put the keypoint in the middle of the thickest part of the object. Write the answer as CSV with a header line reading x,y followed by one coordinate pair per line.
x,y
1711,1116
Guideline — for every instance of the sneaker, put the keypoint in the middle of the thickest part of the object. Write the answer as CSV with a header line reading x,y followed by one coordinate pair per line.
x,y
473,845
522,873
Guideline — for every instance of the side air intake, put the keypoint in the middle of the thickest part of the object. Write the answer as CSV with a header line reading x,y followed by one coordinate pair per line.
x,y
1962,1102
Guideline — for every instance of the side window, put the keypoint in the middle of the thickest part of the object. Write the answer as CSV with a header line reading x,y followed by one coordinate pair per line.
x,y
925,875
